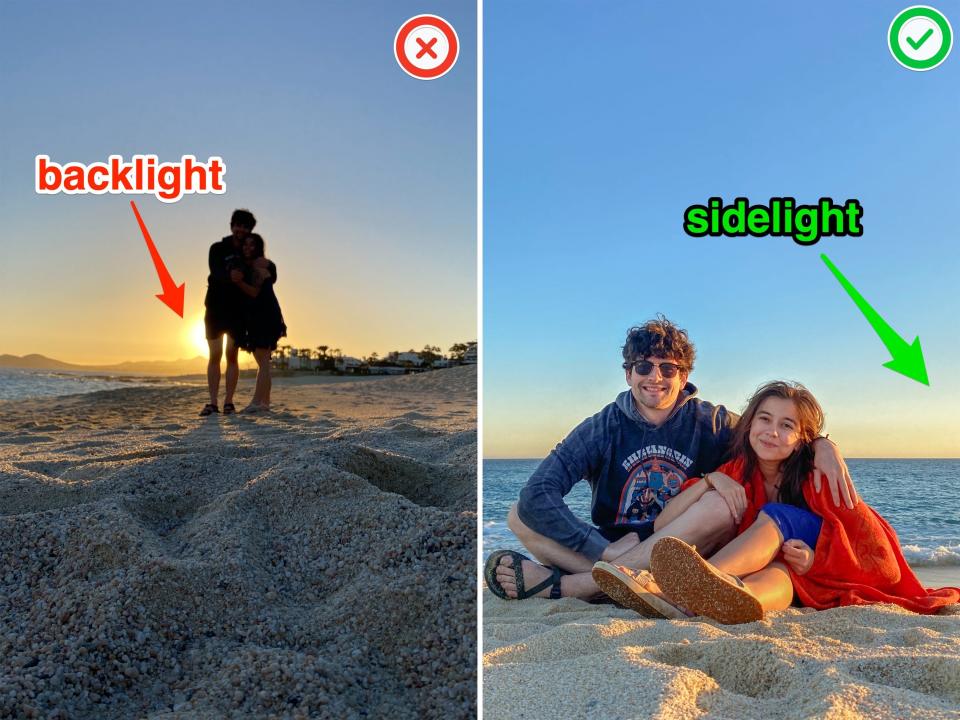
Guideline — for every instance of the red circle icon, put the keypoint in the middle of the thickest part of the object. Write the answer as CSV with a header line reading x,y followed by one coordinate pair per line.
x,y
426,47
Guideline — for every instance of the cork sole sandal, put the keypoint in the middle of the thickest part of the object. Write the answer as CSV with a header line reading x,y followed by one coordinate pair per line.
x,y
691,581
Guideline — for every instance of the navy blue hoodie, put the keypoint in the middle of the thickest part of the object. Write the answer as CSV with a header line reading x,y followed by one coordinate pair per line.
x,y
633,467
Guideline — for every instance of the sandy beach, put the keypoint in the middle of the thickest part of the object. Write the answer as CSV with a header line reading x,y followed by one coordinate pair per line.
x,y
317,561
568,658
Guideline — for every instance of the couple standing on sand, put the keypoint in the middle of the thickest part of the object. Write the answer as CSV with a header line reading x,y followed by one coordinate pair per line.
x,y
697,511
241,305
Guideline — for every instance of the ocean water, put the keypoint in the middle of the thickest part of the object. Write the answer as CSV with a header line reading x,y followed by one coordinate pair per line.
x,y
919,498
16,384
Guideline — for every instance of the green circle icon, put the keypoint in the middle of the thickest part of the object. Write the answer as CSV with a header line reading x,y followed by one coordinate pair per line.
x,y
920,38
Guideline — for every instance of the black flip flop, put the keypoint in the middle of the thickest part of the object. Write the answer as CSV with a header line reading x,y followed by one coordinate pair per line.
x,y
209,409
490,575
229,409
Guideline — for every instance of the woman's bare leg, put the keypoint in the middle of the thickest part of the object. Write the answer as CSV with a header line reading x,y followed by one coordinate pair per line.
x,y
771,586
261,394
752,551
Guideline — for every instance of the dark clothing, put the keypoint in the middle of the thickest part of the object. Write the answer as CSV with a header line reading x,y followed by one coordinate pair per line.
x,y
615,532
634,468
224,301
223,322
262,320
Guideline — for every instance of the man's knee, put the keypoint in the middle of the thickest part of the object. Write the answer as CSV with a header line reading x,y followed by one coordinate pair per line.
x,y
515,523
216,350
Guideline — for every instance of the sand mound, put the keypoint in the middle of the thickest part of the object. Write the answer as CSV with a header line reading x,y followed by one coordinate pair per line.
x,y
306,563
548,659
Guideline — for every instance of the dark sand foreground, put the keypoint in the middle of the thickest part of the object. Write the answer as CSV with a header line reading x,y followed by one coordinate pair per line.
x,y
318,561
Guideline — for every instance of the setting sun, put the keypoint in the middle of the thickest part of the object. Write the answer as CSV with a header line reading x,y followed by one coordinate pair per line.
x,y
196,337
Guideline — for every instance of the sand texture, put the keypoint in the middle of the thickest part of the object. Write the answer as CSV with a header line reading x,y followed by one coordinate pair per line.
x,y
566,658
318,561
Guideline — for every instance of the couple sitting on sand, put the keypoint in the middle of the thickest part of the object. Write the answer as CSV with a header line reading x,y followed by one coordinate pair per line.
x,y
699,512
242,306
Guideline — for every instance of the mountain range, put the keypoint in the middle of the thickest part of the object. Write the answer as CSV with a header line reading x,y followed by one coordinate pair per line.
x,y
189,366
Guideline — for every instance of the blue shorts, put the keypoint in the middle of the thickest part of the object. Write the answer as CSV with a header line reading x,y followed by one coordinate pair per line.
x,y
795,523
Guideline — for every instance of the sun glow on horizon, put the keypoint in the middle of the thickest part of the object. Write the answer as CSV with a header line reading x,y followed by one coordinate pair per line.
x,y
195,337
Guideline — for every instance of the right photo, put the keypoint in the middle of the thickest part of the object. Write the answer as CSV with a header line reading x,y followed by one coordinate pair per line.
x,y
721,460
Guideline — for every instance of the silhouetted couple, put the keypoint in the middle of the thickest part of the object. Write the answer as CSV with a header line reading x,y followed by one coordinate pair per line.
x,y
241,305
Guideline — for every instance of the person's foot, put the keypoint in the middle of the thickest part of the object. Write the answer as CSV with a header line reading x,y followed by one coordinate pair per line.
x,y
637,591
209,409
689,579
533,574
255,408
229,408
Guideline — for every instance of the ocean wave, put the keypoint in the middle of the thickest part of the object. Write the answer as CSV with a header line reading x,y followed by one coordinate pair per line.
x,y
942,555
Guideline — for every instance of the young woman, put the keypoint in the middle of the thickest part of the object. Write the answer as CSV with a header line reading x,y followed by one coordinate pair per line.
x,y
263,322
789,538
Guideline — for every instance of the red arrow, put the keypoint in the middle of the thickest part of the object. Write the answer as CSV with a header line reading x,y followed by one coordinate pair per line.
x,y
172,295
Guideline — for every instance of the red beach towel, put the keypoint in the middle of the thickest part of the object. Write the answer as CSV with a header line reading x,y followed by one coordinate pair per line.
x,y
858,560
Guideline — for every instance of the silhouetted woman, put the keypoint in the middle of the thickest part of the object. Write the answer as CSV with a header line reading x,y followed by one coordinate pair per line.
x,y
263,322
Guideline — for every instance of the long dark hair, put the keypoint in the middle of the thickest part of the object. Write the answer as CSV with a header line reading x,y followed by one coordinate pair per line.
x,y
259,247
796,468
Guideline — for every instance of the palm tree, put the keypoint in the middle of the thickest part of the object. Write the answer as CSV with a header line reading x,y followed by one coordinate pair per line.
x,y
284,361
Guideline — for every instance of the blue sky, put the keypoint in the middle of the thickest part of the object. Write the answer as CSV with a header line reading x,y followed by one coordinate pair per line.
x,y
363,178
602,126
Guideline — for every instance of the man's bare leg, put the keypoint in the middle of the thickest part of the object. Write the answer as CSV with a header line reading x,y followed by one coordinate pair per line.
x,y
233,369
213,368
549,552
707,524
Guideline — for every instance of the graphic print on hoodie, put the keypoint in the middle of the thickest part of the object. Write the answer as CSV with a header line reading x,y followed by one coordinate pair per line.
x,y
634,468
654,475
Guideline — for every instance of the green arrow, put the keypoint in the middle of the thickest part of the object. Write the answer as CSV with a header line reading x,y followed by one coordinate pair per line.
x,y
907,357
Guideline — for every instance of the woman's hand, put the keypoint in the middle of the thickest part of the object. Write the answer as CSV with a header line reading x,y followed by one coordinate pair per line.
x,y
798,555
731,491
236,275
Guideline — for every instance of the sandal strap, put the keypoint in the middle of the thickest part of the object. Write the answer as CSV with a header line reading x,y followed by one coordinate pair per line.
x,y
552,582
523,592
736,580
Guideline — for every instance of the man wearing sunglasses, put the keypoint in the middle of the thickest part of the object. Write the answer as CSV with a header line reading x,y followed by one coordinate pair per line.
x,y
635,453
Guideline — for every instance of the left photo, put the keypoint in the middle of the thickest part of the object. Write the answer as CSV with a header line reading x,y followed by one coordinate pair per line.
x,y
238,371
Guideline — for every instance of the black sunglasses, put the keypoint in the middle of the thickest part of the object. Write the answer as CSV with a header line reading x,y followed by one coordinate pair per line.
x,y
645,367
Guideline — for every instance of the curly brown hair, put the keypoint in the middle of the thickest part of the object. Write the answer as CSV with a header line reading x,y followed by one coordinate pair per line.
x,y
659,338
